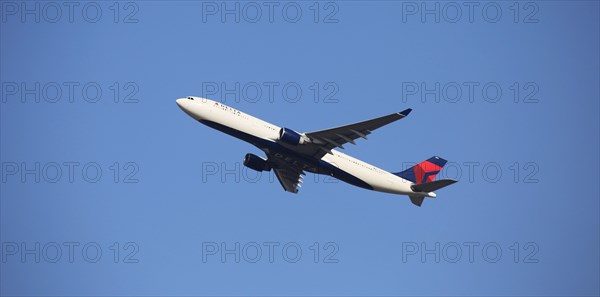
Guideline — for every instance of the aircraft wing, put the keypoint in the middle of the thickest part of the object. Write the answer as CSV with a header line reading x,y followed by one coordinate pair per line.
x,y
337,137
290,175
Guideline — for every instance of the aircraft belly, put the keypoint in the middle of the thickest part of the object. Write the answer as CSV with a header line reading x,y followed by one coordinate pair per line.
x,y
377,179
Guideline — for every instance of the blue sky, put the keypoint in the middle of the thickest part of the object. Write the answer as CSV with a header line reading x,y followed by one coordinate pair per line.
x,y
109,189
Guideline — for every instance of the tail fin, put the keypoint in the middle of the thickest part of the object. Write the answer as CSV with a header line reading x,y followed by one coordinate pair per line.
x,y
424,171
423,175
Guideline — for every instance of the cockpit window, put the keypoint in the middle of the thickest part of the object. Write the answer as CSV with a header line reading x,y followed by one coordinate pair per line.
x,y
191,98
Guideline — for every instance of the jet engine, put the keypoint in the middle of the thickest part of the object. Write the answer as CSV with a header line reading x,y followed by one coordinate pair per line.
x,y
257,163
292,137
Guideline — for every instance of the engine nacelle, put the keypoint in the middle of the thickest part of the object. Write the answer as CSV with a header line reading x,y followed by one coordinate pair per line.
x,y
292,137
257,163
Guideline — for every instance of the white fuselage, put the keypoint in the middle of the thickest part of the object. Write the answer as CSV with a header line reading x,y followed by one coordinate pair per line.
x,y
206,110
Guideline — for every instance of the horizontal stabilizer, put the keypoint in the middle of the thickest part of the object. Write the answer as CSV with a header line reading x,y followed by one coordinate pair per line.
x,y
432,186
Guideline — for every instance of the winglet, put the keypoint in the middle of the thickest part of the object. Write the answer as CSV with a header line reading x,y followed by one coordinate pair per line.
x,y
405,112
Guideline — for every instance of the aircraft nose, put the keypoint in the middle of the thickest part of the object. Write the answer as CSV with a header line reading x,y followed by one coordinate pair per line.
x,y
184,104
180,102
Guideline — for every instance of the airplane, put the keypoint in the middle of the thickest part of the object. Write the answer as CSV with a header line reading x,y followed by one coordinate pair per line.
x,y
290,154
